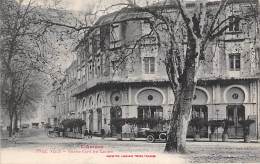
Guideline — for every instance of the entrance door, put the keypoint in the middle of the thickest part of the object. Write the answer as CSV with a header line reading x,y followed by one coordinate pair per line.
x,y
199,111
115,114
91,120
99,122
235,113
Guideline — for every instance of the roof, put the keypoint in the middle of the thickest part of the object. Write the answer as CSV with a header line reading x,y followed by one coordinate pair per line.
x,y
127,13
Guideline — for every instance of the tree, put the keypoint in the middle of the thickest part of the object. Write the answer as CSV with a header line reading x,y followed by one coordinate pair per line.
x,y
27,55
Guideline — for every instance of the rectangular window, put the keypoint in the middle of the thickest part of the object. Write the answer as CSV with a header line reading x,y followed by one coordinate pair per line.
x,y
78,75
115,35
96,41
234,62
90,46
146,28
104,37
115,64
83,72
149,65
90,69
234,23
258,58
98,66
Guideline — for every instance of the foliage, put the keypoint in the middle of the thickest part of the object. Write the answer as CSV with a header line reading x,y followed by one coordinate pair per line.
x,y
197,124
246,125
247,122
226,124
151,121
214,124
27,57
73,123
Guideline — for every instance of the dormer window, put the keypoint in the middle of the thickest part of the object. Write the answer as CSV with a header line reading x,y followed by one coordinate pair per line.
x,y
146,28
234,22
96,41
115,36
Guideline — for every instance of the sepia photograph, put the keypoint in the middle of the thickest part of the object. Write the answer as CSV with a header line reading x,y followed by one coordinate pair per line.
x,y
129,81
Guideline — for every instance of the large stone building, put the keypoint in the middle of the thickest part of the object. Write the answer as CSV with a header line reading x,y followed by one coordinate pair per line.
x,y
60,99
107,88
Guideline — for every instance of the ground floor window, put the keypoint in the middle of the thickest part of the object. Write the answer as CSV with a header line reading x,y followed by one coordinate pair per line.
x,y
199,111
150,117
235,113
155,112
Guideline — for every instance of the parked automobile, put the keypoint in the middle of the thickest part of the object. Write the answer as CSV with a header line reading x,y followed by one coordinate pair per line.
x,y
35,125
24,126
53,132
142,132
152,135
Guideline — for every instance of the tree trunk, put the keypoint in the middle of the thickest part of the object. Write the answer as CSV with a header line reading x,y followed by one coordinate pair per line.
x,y
11,127
176,137
20,115
16,121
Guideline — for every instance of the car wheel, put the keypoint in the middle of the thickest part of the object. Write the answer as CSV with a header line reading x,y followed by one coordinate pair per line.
x,y
162,136
150,138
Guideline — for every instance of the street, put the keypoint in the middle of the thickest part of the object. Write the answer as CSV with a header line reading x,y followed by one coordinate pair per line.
x,y
42,149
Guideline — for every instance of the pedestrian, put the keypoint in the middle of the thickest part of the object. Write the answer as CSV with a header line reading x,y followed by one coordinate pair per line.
x,y
86,134
13,137
102,133
90,134
136,130
63,132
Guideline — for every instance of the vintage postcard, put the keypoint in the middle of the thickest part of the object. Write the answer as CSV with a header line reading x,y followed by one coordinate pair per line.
x,y
129,81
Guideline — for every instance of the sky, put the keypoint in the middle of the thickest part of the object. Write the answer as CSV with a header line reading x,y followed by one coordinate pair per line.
x,y
85,4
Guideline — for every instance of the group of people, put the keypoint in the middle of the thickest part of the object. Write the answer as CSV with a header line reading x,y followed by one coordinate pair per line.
x,y
87,134
13,138
129,128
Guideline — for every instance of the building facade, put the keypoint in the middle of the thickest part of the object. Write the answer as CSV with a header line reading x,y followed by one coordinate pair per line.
x,y
62,104
107,88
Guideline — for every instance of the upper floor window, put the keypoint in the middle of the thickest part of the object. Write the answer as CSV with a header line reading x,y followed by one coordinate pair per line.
x,y
83,72
90,46
149,65
234,22
258,58
146,28
234,62
96,41
104,37
78,75
115,64
90,69
115,35
98,66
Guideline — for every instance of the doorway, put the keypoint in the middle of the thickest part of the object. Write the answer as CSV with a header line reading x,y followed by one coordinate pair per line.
x,y
115,114
199,111
99,117
235,113
91,120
